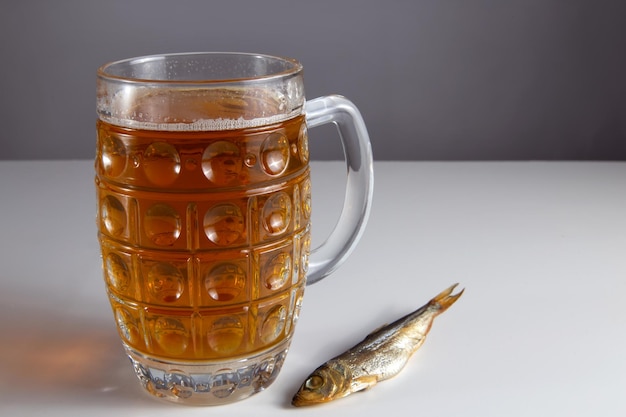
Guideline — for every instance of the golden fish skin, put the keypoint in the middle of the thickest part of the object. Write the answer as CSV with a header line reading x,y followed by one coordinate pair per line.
x,y
380,356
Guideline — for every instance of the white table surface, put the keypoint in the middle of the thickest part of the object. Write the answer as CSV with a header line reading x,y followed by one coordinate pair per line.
x,y
540,331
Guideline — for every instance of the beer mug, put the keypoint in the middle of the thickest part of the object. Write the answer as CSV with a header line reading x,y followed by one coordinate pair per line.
x,y
204,209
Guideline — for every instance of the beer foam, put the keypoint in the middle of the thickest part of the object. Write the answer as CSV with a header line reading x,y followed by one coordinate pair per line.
x,y
201,125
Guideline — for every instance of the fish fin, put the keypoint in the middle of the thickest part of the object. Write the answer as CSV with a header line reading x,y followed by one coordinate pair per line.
x,y
363,383
445,299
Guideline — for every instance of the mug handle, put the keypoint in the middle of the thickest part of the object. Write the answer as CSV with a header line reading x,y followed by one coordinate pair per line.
x,y
359,187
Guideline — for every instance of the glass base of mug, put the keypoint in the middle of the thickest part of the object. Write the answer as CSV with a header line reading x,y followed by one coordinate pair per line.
x,y
211,382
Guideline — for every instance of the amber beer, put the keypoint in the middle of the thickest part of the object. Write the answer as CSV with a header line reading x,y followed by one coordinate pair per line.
x,y
204,208
204,236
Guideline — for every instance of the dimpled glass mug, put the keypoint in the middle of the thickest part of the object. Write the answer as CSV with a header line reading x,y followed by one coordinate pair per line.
x,y
204,208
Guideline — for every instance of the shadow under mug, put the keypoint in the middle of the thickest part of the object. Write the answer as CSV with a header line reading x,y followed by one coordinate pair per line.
x,y
204,207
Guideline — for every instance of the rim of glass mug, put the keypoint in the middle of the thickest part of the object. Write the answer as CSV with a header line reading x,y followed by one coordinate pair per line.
x,y
120,84
276,68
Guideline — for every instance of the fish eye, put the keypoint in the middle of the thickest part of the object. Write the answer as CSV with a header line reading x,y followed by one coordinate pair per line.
x,y
314,382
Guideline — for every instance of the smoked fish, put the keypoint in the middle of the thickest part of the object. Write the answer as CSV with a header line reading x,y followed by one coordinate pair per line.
x,y
380,356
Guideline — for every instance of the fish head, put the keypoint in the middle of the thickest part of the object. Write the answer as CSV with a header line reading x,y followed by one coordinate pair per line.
x,y
326,383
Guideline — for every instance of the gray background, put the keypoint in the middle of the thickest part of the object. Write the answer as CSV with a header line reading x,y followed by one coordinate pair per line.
x,y
434,79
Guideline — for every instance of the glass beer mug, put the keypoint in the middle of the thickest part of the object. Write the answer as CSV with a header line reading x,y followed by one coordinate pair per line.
x,y
204,208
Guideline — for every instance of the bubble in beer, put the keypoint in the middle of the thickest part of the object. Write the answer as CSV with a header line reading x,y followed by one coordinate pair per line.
x,y
275,154
273,324
162,224
224,224
277,271
171,335
117,272
161,163
222,163
113,216
277,213
113,156
225,335
225,282
250,160
165,282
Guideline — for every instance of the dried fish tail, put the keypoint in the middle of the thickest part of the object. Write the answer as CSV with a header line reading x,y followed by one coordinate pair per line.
x,y
444,299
